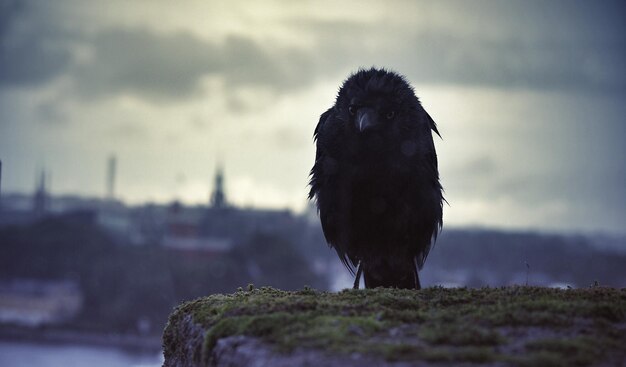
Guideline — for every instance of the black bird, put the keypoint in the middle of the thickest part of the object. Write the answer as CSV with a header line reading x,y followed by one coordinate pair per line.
x,y
375,179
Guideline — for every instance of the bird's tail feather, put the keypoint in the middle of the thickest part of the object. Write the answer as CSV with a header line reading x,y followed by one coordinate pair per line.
x,y
404,277
357,278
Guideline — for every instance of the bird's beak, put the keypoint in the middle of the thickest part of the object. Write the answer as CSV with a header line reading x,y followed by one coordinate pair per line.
x,y
365,118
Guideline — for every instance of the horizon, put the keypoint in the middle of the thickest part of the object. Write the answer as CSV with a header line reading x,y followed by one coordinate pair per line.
x,y
310,206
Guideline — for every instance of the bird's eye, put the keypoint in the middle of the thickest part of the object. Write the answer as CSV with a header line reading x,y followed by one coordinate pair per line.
x,y
390,115
352,109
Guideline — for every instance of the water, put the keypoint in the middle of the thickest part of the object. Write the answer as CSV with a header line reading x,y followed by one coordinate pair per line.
x,y
25,354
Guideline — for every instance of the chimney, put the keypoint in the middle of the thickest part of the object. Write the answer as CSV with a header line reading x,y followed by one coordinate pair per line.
x,y
39,205
110,184
0,185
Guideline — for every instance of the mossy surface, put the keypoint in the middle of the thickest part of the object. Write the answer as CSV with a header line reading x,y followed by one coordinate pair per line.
x,y
511,325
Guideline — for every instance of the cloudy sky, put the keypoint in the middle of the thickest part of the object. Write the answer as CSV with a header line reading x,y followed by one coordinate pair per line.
x,y
529,97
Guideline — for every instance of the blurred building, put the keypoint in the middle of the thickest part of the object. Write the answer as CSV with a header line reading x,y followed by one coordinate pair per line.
x,y
38,302
219,226
184,232
208,229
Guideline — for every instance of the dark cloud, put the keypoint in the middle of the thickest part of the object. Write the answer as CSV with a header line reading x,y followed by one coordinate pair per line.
x,y
31,60
152,65
29,53
171,66
578,47
8,10
247,63
574,46
571,65
141,62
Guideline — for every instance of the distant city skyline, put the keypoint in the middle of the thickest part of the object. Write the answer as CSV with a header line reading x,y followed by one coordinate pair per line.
x,y
528,97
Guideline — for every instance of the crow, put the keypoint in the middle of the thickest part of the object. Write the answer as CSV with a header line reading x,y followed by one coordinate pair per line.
x,y
375,179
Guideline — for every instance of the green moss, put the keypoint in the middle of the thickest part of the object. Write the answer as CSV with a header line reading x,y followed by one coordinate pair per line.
x,y
578,351
459,335
433,324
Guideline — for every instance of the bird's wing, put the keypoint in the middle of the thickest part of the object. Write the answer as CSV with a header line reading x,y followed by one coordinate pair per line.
x,y
317,166
321,123
432,164
432,123
327,204
432,154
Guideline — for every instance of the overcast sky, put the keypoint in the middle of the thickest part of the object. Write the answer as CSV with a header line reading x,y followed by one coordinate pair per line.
x,y
529,97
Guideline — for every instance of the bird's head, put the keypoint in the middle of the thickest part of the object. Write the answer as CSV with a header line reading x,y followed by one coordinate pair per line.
x,y
380,100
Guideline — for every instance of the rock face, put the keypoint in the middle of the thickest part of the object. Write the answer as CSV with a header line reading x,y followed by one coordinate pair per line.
x,y
389,327
184,340
248,351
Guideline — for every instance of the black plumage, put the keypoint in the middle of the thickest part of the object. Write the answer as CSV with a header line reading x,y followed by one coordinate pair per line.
x,y
376,181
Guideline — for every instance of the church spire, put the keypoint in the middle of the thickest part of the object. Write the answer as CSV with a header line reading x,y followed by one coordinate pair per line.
x,y
39,205
218,198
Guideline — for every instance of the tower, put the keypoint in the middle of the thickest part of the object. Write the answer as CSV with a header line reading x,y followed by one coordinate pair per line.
x,y
0,185
39,201
110,183
218,199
